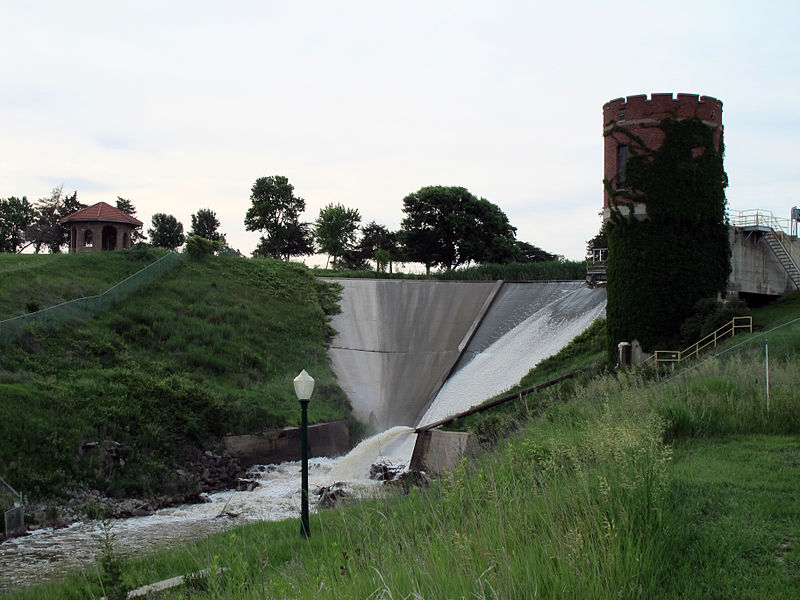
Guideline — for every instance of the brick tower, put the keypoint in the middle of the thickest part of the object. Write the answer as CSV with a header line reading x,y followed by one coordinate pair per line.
x,y
632,122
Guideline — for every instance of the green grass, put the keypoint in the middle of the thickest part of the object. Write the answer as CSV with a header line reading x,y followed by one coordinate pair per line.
x,y
737,518
211,348
32,282
617,492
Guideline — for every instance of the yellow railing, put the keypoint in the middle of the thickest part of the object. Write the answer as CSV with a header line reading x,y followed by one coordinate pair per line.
x,y
728,330
757,217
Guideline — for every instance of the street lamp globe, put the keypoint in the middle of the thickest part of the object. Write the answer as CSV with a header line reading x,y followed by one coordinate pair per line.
x,y
303,385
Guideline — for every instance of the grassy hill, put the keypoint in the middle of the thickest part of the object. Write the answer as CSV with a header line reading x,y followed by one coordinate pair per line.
x,y
208,349
631,488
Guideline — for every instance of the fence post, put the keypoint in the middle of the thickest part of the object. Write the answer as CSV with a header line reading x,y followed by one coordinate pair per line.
x,y
766,358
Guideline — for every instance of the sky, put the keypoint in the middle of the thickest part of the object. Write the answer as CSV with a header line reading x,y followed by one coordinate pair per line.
x,y
179,106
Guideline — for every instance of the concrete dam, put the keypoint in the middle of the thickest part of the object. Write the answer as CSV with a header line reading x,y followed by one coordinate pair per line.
x,y
409,352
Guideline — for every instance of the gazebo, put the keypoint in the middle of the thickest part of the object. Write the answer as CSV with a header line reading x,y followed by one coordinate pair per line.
x,y
100,227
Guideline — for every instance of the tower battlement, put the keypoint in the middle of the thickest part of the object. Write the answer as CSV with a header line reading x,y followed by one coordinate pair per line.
x,y
629,123
662,106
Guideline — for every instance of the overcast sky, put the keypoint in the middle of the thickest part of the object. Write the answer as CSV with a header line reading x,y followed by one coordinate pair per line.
x,y
179,105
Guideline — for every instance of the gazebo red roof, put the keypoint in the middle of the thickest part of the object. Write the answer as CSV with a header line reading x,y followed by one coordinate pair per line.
x,y
102,212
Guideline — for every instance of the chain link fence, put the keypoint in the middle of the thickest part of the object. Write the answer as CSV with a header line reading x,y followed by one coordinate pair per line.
x,y
11,505
89,306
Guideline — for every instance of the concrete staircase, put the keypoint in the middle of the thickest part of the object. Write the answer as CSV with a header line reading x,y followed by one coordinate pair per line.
x,y
774,242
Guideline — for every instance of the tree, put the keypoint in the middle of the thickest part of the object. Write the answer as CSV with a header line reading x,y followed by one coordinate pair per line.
x,y
128,208
276,212
167,231
377,238
529,253
299,242
335,230
448,227
205,224
47,229
16,216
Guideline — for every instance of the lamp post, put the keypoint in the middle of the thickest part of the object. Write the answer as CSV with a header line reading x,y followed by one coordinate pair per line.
x,y
303,386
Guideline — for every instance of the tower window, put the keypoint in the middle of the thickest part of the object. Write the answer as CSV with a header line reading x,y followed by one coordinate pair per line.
x,y
622,159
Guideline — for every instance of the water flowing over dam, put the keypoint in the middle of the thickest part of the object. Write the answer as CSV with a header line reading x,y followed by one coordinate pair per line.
x,y
399,341
406,353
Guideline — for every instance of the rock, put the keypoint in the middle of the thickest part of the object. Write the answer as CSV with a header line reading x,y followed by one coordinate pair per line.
x,y
329,496
409,479
247,485
384,471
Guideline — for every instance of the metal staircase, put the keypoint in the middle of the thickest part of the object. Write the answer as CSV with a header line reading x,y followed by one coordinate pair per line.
x,y
783,256
773,229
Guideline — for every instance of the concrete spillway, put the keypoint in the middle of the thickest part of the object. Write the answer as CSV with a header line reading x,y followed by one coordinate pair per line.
x,y
398,341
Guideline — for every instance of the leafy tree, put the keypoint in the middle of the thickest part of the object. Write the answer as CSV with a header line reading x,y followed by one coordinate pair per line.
x,y
167,231
47,229
382,258
276,212
205,224
375,238
448,227
529,253
299,241
335,230
488,236
127,207
16,216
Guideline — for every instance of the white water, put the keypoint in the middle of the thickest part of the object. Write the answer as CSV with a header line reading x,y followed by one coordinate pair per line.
x,y
503,364
47,552
394,445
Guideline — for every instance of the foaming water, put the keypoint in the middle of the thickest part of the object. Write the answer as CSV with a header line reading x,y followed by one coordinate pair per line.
x,y
46,553
394,445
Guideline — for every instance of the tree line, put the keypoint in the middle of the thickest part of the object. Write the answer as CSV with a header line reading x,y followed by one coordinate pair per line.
x,y
37,225
443,227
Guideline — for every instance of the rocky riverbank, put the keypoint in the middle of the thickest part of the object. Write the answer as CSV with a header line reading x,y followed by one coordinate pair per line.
x,y
203,472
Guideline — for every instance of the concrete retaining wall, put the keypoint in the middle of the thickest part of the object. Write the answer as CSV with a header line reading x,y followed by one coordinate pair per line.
x,y
279,445
754,267
437,452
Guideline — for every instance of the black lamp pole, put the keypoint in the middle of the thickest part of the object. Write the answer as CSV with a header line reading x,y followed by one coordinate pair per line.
x,y
303,387
304,527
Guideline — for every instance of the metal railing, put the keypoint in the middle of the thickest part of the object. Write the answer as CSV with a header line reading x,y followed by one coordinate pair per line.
x,y
757,217
89,306
660,357
597,255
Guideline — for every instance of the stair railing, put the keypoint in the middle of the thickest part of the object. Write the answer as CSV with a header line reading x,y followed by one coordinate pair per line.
x,y
741,324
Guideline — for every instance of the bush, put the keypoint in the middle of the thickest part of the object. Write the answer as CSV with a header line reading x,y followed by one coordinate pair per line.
x,y
200,247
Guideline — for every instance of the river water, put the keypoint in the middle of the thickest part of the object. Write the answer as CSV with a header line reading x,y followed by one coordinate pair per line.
x,y
47,553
